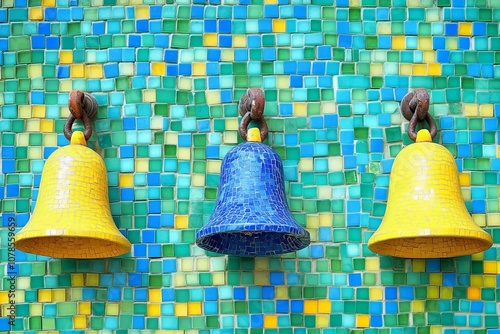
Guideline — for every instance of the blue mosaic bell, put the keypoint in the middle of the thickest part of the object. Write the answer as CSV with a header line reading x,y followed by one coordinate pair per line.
x,y
251,215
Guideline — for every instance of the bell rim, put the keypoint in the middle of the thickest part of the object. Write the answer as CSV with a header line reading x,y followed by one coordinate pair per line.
x,y
119,241
483,242
303,240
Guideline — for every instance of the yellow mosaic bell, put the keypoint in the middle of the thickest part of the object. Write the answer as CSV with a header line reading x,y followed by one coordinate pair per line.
x,y
72,217
426,215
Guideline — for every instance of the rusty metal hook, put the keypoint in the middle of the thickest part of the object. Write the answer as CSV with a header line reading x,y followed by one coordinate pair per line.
x,y
251,107
415,108
82,106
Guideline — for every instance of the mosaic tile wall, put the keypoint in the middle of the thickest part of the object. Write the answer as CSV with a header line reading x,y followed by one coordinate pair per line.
x,y
167,76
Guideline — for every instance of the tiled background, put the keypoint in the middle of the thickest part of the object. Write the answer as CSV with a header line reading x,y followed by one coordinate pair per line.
x,y
168,76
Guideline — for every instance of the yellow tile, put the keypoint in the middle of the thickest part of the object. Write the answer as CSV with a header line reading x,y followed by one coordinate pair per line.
x,y
322,321
418,265
112,309
270,2
493,220
473,293
38,111
432,292
464,28
324,192
446,293
199,69
158,68
299,109
435,279
23,111
479,219
231,137
36,309
376,69
49,139
94,71
325,219
58,295
47,125
486,110
184,153
77,71
470,109
126,180
434,69
490,281
213,166
213,98
154,295
154,310
372,264
261,263
142,165
36,14
384,28
405,69
198,180
376,294
180,310
171,138
429,56
226,55
180,280
419,69
239,41
232,124
282,82
185,83
398,42
142,12
34,70
48,3
464,179
424,43
92,279
181,221
218,279
324,306
34,152
362,320
33,125
312,221
279,25
210,40
23,139
306,165
4,297
261,279
476,280
44,295
194,308
478,256
466,194
451,43
436,330
310,306
270,321
202,264
281,292
65,85
335,164
418,306
80,322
